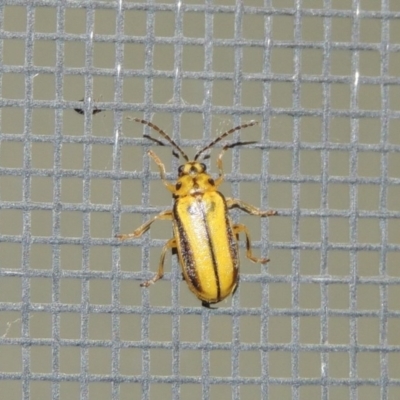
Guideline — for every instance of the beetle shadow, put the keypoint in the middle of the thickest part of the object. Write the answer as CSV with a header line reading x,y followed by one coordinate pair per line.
x,y
206,156
81,111
160,143
230,146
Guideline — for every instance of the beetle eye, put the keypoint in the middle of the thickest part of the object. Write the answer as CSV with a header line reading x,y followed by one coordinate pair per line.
x,y
180,170
203,167
211,182
178,185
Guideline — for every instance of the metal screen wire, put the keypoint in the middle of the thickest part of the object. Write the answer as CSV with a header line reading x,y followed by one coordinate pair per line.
x,y
321,320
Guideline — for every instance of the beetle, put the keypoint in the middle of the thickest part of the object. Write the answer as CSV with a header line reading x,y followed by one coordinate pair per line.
x,y
204,236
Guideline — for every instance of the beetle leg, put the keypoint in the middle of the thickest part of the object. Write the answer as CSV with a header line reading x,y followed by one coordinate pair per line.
x,y
231,203
238,228
160,273
167,214
220,178
161,168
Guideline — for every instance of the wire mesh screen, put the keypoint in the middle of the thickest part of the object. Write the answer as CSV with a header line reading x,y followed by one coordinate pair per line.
x,y
321,320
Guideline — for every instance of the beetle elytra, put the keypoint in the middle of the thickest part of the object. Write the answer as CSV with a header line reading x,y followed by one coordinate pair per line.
x,y
204,236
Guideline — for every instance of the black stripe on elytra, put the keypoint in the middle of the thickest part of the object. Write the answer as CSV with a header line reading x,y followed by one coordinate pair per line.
x,y
186,251
233,249
231,239
212,251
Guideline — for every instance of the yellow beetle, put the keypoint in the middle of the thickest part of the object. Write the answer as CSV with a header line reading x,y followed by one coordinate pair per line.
x,y
204,236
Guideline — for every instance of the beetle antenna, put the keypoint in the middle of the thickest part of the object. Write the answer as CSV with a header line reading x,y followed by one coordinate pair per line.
x,y
224,135
164,135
